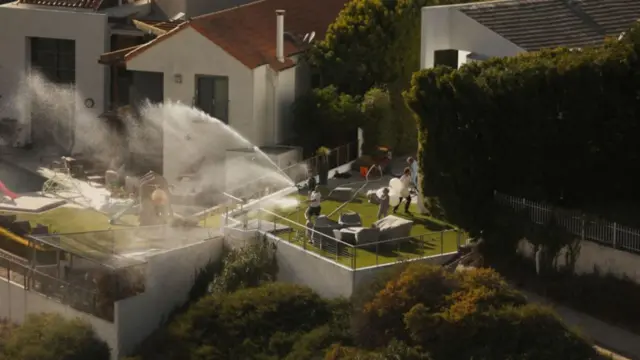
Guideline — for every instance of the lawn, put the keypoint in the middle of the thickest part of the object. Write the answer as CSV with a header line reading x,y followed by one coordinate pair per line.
x,y
427,236
89,227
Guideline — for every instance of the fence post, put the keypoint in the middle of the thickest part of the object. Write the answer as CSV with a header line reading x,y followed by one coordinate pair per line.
x,y
615,233
457,239
441,242
582,230
348,151
355,258
377,251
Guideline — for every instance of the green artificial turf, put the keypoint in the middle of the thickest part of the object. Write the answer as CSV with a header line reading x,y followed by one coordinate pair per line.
x,y
85,229
427,236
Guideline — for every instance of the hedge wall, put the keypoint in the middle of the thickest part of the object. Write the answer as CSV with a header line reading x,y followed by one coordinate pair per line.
x,y
558,125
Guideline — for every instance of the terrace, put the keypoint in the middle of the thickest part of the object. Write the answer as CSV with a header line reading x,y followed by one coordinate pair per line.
x,y
285,219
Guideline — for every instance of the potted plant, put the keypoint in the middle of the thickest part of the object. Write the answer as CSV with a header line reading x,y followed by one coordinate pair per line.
x,y
323,165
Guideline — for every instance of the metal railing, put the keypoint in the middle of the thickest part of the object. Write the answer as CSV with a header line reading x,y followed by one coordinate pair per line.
x,y
75,296
359,255
605,232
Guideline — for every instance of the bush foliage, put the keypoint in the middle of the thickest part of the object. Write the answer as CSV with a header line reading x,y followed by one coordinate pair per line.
x,y
52,337
374,44
472,314
541,125
416,312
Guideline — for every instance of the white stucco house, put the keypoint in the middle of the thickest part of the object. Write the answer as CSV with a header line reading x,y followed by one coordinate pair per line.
x,y
63,38
240,65
456,34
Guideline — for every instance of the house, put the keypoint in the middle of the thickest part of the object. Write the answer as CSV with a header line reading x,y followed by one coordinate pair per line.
x,y
456,34
63,38
240,65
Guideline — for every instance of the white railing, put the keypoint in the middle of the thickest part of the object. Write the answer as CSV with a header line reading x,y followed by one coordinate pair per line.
x,y
601,231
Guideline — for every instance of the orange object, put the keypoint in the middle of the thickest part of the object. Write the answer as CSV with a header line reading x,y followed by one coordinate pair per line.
x,y
363,171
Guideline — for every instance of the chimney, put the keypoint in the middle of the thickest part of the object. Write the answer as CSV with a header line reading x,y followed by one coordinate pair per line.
x,y
280,35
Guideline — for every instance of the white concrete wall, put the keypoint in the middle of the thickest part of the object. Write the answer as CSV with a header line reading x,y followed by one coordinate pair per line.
x,y
444,27
16,303
170,276
286,95
302,267
363,276
264,82
88,29
190,54
594,256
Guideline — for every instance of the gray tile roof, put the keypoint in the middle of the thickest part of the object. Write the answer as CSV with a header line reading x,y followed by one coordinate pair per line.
x,y
537,24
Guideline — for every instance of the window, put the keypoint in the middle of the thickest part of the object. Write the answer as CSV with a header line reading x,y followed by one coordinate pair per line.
x,y
55,59
212,96
446,58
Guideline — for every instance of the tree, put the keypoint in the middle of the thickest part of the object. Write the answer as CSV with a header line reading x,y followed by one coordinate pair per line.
x,y
52,337
540,125
375,43
325,117
470,314
272,321
352,56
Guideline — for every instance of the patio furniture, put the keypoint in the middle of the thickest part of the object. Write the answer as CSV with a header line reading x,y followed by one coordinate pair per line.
x,y
394,227
341,194
323,230
350,219
357,235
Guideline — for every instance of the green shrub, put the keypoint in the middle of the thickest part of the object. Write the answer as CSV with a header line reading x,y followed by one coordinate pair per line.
x,y
245,267
52,337
253,323
529,126
325,117
471,314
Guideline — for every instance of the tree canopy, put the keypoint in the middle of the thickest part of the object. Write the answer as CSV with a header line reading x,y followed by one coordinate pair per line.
x,y
372,44
420,312
546,125
52,337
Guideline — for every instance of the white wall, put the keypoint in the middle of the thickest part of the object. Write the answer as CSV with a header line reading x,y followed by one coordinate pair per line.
x,y
328,278
444,28
16,303
298,266
363,276
170,276
595,256
286,95
88,29
189,54
264,82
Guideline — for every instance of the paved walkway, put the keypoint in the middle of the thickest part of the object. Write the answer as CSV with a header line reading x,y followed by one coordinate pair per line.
x,y
607,336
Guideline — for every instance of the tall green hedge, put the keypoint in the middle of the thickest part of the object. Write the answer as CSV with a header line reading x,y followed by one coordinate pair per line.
x,y
558,125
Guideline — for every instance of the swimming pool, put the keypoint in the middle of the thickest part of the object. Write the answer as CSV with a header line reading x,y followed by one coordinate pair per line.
x,y
20,180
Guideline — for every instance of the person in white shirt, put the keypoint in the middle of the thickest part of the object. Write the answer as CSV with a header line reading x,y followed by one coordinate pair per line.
x,y
314,209
406,183
413,165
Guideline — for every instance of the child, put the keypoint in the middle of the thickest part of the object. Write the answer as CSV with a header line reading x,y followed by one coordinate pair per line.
x,y
383,209
314,208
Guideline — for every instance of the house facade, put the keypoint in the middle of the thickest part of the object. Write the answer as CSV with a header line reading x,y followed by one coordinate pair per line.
x,y
240,66
456,34
62,39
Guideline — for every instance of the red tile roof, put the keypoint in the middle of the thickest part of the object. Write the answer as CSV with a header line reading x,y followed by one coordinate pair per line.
x,y
248,32
78,4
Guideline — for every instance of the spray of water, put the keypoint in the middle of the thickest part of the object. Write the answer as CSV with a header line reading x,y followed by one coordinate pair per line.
x,y
212,155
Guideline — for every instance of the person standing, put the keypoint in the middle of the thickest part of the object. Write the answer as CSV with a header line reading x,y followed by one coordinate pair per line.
x,y
405,179
383,208
314,209
413,165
